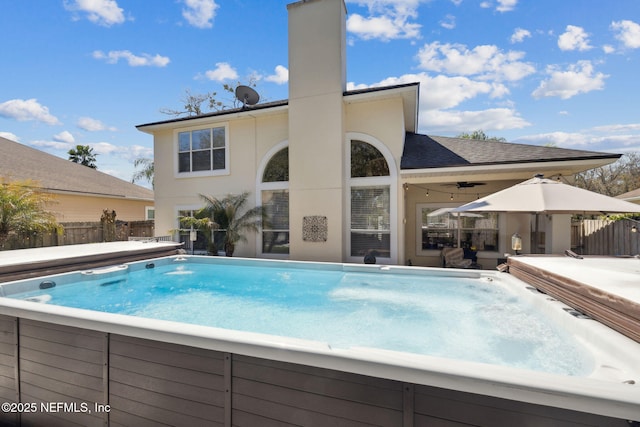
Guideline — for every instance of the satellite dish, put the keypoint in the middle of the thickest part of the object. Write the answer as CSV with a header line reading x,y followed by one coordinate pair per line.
x,y
247,96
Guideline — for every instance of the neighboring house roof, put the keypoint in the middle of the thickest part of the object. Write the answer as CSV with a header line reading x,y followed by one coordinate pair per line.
x,y
630,196
424,152
54,174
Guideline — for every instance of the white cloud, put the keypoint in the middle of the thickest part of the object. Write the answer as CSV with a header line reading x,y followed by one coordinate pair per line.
x,y
449,22
92,125
574,38
590,139
628,32
629,127
506,5
607,48
144,60
26,110
519,35
280,77
64,136
463,121
578,78
443,92
381,27
486,61
387,20
9,136
56,145
222,72
101,12
200,13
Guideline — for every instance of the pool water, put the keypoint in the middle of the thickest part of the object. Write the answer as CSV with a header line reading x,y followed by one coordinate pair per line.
x,y
476,319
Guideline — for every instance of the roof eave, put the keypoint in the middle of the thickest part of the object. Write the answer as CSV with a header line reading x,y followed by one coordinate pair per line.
x,y
409,92
224,115
511,170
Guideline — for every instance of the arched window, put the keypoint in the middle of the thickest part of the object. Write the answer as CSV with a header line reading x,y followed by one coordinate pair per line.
x,y
274,194
371,202
277,170
367,160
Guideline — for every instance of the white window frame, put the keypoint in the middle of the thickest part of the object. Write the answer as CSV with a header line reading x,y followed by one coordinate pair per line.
x,y
374,181
436,252
277,185
148,209
212,172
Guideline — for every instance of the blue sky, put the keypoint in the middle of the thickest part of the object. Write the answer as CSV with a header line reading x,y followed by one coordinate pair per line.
x,y
531,71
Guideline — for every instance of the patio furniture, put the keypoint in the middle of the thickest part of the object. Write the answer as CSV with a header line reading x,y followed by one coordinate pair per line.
x,y
454,258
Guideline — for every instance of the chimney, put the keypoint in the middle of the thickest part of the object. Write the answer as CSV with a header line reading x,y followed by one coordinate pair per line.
x,y
317,81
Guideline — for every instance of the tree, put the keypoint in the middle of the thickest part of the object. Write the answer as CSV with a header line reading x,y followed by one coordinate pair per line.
x,y
198,104
146,172
613,179
84,155
227,214
22,210
480,135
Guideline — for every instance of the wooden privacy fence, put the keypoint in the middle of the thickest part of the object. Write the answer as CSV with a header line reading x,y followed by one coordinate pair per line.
x,y
73,233
605,237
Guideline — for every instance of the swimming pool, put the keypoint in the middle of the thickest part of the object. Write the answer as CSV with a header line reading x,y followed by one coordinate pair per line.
x,y
417,313
418,326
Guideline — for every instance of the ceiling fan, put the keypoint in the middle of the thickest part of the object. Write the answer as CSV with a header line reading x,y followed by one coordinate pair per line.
x,y
465,184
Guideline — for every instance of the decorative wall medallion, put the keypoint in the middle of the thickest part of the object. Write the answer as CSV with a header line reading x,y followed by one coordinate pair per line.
x,y
314,228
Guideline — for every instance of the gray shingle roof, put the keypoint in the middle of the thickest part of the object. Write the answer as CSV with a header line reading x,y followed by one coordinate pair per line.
x,y
19,163
424,151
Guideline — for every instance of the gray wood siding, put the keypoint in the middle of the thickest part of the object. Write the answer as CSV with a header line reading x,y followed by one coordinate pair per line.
x,y
448,408
266,392
8,359
61,364
8,368
157,383
150,383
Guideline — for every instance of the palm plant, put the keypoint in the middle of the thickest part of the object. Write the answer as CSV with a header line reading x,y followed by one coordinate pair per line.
x,y
228,214
84,155
147,172
22,211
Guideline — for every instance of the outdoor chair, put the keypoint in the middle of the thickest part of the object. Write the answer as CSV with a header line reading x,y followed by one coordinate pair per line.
x,y
454,258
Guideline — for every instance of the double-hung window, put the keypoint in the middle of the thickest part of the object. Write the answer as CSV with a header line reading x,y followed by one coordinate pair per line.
x,y
203,151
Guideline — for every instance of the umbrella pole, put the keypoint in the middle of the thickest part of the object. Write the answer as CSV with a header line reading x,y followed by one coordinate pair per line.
x,y
535,246
458,214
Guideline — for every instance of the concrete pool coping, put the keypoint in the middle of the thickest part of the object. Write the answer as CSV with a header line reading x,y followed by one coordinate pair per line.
x,y
26,263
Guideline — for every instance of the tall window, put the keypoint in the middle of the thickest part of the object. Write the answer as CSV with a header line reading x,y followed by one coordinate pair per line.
x,y
202,150
275,200
370,228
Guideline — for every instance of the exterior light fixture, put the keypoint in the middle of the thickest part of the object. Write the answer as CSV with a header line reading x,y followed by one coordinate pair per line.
x,y
516,243
451,198
427,193
634,229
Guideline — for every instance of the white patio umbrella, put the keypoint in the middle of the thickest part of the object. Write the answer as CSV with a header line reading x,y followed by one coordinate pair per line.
x,y
541,195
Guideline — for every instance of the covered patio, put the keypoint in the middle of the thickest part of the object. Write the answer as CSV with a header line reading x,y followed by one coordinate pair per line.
x,y
439,172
